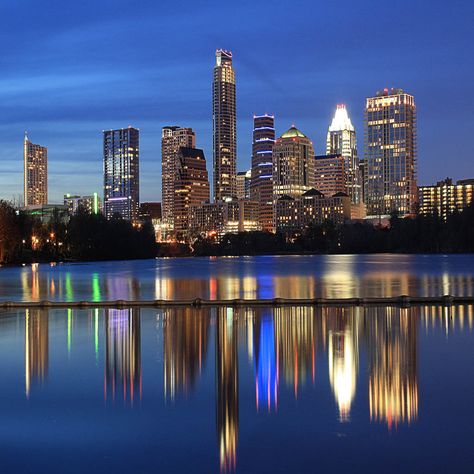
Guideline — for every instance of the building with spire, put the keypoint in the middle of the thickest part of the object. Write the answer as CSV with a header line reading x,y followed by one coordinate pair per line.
x,y
35,161
341,140
390,154
224,121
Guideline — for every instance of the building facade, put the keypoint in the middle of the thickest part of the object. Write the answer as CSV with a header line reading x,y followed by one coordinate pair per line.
x,y
341,140
35,161
311,208
261,184
224,121
390,154
445,197
90,204
293,164
206,219
243,184
121,173
330,174
191,187
172,138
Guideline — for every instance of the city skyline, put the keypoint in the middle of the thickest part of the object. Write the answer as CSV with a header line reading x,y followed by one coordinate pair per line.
x,y
63,105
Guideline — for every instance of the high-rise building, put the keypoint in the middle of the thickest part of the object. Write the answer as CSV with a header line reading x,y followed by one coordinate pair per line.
x,y
445,197
261,185
172,138
35,173
390,153
121,173
191,187
330,174
224,121
341,140
293,164
243,184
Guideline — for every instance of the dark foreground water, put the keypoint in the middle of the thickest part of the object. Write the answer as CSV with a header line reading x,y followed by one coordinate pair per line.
x,y
329,276
286,390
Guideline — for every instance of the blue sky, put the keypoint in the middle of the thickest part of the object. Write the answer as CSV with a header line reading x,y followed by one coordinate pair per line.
x,y
68,70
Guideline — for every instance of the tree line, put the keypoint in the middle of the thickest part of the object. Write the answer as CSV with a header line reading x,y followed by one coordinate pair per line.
x,y
84,236
24,238
423,234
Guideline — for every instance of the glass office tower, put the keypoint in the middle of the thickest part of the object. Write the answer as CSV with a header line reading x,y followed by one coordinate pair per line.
x,y
121,173
390,154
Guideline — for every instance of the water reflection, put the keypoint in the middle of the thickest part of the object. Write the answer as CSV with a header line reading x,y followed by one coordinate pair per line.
x,y
393,382
123,374
227,381
36,347
185,343
261,355
330,276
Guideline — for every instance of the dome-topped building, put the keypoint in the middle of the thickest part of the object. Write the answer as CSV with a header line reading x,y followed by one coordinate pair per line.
x,y
293,132
293,164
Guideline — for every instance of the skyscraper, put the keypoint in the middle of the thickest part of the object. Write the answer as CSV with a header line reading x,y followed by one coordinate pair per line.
x,y
224,121
121,173
293,164
261,184
191,187
172,138
390,153
35,173
341,140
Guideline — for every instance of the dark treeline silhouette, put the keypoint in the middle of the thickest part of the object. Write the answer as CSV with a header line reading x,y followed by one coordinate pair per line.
x,y
91,237
84,236
423,234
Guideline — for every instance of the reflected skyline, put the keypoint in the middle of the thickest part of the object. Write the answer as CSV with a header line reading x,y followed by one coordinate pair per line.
x,y
325,276
36,347
287,353
123,375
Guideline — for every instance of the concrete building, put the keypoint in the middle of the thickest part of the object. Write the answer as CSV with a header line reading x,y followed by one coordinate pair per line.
x,y
35,164
293,214
191,187
330,174
243,184
91,204
293,164
172,138
445,197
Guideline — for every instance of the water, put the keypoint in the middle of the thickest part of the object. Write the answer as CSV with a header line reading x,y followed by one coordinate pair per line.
x,y
269,390
330,276
280,390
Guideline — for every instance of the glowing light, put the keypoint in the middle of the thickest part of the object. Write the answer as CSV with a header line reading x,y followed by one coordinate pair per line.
x,y
341,120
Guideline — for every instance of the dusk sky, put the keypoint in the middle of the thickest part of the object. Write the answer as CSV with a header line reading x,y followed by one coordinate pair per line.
x,y
68,70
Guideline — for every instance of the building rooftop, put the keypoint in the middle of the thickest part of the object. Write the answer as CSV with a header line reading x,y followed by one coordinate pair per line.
x,y
313,192
293,132
341,120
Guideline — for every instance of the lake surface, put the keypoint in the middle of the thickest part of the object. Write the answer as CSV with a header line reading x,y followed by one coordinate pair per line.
x,y
283,390
329,276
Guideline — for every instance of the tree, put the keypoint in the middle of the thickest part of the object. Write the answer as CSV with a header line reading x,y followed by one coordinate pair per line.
x,y
9,232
